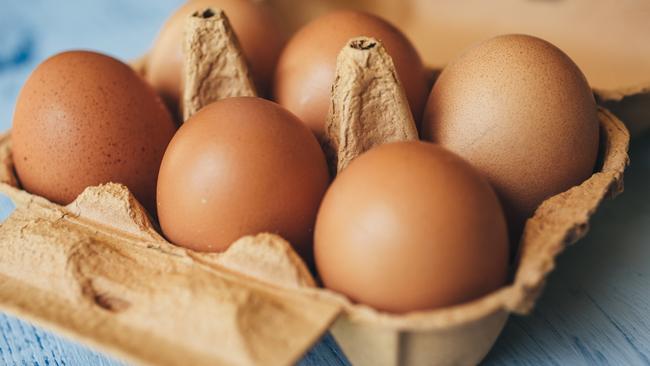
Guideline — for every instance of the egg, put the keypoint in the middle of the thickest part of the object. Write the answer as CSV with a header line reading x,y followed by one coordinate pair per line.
x,y
83,118
411,226
241,166
260,35
522,113
307,65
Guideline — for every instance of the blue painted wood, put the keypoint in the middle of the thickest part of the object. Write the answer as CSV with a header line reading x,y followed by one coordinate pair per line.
x,y
595,310
24,344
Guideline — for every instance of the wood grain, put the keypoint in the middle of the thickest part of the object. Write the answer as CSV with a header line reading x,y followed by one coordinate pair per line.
x,y
23,344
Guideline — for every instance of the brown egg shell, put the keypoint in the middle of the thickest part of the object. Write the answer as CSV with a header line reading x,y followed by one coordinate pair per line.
x,y
426,215
439,335
534,138
74,126
277,176
306,67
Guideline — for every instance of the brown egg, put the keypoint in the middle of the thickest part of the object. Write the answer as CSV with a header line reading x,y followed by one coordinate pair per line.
x,y
241,166
260,36
520,111
82,119
411,226
306,67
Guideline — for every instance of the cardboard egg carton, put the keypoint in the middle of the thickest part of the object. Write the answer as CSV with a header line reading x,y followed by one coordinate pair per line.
x,y
98,271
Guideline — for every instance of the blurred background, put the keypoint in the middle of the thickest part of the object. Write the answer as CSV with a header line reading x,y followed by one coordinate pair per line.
x,y
596,307
608,39
33,30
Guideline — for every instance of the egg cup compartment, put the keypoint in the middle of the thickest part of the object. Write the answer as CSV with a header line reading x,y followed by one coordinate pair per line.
x,y
98,271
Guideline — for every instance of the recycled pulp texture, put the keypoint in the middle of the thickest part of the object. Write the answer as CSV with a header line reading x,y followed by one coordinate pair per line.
x,y
368,105
306,67
215,66
260,32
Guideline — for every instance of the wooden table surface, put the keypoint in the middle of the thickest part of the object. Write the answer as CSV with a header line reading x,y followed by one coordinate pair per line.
x,y
594,311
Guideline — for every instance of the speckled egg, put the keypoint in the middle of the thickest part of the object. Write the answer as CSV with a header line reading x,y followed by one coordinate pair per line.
x,y
83,118
520,110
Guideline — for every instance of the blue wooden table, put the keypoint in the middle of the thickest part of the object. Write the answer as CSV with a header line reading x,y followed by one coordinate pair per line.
x,y
596,307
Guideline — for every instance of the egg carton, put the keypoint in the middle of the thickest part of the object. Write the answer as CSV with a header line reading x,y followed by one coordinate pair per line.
x,y
98,271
